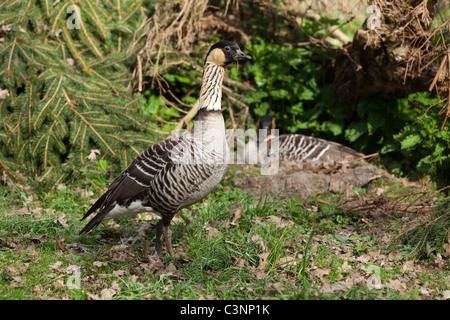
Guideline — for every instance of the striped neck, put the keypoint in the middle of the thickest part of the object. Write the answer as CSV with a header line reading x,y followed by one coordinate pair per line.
x,y
211,91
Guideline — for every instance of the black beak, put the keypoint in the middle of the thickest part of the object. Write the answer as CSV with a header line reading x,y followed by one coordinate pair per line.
x,y
240,55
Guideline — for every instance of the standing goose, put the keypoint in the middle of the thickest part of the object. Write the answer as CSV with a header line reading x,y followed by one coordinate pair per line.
x,y
176,172
304,148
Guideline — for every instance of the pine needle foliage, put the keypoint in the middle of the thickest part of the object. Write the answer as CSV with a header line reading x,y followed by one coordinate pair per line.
x,y
431,235
65,90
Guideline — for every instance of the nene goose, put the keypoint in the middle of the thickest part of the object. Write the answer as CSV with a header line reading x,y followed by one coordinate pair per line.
x,y
304,148
179,171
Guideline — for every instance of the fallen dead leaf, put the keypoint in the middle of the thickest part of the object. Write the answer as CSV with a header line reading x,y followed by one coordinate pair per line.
x,y
263,260
170,267
59,284
345,267
99,264
93,296
154,264
108,293
446,294
446,252
17,282
409,265
61,220
326,287
237,215
60,243
440,262
335,287
212,233
364,258
55,266
287,261
85,193
280,222
424,291
242,262
12,270
320,272
119,247
23,211
396,285
338,287
118,273
277,286
258,240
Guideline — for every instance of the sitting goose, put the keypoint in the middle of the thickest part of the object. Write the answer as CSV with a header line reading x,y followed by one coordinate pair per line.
x,y
179,171
304,148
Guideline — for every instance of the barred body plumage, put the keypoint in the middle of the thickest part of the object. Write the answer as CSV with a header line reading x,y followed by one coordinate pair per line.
x,y
180,171
299,147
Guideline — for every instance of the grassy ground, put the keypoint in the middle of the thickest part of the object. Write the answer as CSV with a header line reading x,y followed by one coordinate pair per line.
x,y
233,245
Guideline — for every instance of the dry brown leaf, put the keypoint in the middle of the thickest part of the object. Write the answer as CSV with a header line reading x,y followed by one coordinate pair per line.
x,y
326,287
85,193
99,263
409,265
170,267
375,254
446,294
237,215
320,272
60,243
446,252
154,264
118,273
287,261
23,211
336,287
280,222
59,284
258,240
364,258
345,267
277,286
17,282
440,262
61,220
212,233
259,274
242,262
263,260
119,247
93,296
108,293
424,291
55,266
396,285
12,270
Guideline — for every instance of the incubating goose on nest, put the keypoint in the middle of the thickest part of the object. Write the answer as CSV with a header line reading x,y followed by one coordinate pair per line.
x,y
299,147
179,171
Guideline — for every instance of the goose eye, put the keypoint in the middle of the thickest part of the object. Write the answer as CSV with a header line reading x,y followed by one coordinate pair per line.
x,y
227,48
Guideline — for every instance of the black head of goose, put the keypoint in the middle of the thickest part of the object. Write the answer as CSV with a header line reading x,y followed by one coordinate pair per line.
x,y
305,148
179,171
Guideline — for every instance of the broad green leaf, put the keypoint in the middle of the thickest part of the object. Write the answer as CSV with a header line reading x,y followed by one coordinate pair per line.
x,y
410,141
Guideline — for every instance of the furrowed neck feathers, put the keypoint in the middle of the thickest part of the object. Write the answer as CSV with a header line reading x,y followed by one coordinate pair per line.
x,y
211,91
